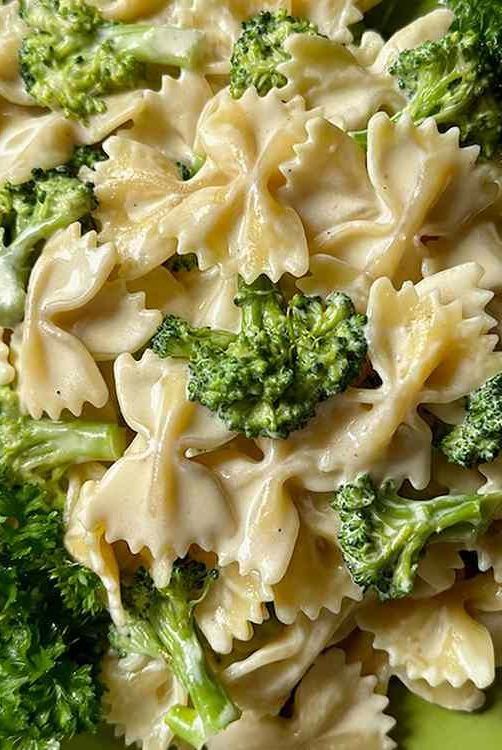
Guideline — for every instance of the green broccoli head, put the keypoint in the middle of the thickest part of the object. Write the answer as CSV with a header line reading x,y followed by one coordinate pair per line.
x,y
30,213
33,448
72,57
478,439
161,624
268,379
53,624
86,156
182,263
382,535
447,80
260,50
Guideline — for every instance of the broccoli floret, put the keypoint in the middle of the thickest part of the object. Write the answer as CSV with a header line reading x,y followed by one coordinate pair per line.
x,y
30,213
161,624
86,156
71,56
31,447
457,79
53,624
382,535
479,438
268,379
260,50
182,263
188,170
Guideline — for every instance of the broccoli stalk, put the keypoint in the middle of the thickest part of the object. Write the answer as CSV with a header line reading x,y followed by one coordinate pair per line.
x,y
31,446
478,439
268,379
30,213
260,50
161,624
456,80
72,56
382,535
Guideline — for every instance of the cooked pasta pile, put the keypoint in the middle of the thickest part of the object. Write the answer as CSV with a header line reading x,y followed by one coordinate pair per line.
x,y
408,228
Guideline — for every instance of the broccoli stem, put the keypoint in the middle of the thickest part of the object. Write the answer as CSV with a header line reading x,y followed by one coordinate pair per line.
x,y
156,45
51,444
212,709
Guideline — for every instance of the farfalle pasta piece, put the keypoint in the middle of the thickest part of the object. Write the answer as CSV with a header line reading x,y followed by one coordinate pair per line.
x,y
438,639
232,606
154,498
30,140
56,371
276,659
409,171
167,119
7,372
333,706
328,76
230,214
138,694
316,576
11,34
114,322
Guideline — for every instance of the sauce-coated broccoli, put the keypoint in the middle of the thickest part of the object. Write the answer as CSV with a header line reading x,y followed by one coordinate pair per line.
x,y
457,79
30,213
260,50
382,535
30,447
268,379
161,624
478,439
71,56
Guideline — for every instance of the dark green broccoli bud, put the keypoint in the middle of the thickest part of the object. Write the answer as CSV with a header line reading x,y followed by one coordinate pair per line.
x,y
188,171
86,156
479,438
182,263
382,535
33,447
53,624
268,379
30,213
161,623
260,50
457,80
72,57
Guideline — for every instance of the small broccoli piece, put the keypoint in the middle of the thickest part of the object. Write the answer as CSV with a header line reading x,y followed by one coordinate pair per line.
x,y
53,624
260,50
268,379
188,170
29,446
30,213
71,56
389,16
382,535
161,624
457,79
86,156
182,263
479,438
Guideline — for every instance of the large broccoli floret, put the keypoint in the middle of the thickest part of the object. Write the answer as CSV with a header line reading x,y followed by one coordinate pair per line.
x,y
29,446
478,439
269,378
161,624
260,50
30,213
457,79
382,535
72,57
53,624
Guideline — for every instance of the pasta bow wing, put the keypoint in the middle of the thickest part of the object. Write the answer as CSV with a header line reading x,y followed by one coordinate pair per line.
x,y
56,370
154,497
230,214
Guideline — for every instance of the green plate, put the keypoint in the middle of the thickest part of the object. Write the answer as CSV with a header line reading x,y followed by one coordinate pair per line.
x,y
420,726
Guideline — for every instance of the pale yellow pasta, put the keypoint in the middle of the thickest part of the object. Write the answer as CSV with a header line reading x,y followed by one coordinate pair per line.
x,y
154,498
139,693
230,213
56,371
333,706
438,639
11,34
